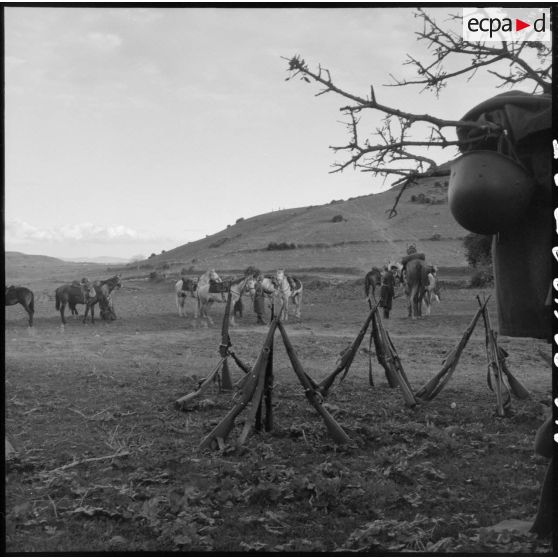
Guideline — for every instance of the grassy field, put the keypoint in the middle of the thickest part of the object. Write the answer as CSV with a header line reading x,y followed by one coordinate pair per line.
x,y
105,463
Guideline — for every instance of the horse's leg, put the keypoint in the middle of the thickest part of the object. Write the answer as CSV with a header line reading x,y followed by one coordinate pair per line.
x,y
298,304
62,307
178,305
231,314
93,313
286,308
207,307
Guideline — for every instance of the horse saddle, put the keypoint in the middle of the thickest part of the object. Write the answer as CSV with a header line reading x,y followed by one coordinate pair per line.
x,y
219,287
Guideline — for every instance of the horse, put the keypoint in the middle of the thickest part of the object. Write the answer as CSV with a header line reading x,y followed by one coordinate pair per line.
x,y
431,291
211,288
288,287
373,279
71,295
416,273
185,288
23,296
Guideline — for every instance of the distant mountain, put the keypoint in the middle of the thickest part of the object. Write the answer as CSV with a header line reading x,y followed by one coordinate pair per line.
x,y
27,268
355,233
99,260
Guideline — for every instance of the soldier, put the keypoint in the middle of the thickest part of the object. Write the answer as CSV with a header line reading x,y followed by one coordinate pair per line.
x,y
259,301
387,290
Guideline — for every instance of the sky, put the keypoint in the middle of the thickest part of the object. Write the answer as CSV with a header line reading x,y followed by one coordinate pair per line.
x,y
129,131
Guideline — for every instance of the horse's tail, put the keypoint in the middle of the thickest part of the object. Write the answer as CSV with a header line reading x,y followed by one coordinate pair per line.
x,y
32,302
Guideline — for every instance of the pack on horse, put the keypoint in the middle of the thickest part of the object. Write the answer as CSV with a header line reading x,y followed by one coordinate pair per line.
x,y
186,288
23,296
99,292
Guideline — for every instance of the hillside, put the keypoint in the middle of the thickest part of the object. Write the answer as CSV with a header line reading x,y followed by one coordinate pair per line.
x,y
361,237
26,269
364,236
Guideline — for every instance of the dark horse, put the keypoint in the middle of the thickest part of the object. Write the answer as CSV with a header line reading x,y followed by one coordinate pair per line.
x,y
23,296
372,280
415,285
71,294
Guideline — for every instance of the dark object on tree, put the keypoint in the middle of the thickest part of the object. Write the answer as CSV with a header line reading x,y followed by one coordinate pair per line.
x,y
489,192
520,253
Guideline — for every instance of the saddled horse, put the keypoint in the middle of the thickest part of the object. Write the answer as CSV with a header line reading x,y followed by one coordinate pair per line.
x,y
211,288
416,280
23,296
186,288
72,294
288,287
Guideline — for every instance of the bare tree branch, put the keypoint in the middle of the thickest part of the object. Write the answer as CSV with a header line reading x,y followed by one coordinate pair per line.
x,y
391,150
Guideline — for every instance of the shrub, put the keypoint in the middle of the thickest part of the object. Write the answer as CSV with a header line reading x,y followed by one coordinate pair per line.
x,y
337,219
219,242
482,277
281,246
252,270
478,249
164,265
239,220
436,236
187,270
152,255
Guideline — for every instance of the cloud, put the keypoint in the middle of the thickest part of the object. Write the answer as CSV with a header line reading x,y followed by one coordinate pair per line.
x,y
18,231
103,41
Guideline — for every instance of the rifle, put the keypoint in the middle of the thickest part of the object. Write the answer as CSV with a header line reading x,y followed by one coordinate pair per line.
x,y
313,395
517,388
380,349
436,384
395,365
494,368
347,356
222,430
181,403
225,344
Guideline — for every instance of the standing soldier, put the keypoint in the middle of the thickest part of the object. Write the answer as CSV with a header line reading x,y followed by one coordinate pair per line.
x,y
387,290
259,301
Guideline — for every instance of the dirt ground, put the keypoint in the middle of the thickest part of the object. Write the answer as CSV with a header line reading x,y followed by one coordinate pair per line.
x,y
105,463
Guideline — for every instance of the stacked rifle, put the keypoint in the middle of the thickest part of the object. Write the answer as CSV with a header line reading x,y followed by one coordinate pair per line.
x,y
255,388
221,373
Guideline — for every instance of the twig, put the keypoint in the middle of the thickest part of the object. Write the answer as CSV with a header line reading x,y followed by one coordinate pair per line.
x,y
92,417
88,460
